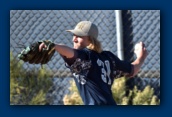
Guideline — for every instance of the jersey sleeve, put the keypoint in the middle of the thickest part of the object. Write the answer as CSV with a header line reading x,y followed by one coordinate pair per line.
x,y
78,54
121,68
124,68
79,64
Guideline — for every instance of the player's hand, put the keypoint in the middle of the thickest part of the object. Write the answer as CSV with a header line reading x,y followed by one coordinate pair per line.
x,y
41,46
140,51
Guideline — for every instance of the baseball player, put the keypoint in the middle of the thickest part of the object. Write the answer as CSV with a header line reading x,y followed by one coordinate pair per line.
x,y
94,70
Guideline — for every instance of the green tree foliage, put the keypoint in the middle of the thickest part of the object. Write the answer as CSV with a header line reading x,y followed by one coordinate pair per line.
x,y
135,96
28,87
119,89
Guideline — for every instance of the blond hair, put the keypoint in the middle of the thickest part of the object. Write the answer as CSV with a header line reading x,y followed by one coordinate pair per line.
x,y
94,45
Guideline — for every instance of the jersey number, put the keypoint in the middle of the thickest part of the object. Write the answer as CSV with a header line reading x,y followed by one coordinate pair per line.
x,y
105,73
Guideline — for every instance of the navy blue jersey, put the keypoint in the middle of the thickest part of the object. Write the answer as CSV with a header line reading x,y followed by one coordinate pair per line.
x,y
94,74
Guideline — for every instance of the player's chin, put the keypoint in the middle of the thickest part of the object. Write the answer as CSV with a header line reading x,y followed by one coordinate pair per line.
x,y
75,47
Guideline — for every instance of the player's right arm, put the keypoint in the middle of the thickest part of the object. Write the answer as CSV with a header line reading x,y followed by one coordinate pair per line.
x,y
128,69
141,54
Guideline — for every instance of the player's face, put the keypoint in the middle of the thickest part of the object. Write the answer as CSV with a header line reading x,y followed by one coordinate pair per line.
x,y
80,42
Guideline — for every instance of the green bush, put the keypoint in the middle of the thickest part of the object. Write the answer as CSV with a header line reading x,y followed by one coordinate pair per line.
x,y
28,87
119,89
135,96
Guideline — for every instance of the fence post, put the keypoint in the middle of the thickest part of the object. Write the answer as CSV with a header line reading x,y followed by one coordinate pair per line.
x,y
120,50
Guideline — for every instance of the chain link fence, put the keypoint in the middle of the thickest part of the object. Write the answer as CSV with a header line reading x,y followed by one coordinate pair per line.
x,y
27,26
143,25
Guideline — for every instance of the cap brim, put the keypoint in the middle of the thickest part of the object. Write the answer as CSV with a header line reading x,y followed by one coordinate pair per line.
x,y
77,32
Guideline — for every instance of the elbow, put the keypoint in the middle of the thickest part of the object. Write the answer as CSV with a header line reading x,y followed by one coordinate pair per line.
x,y
134,71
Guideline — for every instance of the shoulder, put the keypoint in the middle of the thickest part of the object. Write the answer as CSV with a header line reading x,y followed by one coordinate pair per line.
x,y
109,54
79,54
84,50
112,57
82,53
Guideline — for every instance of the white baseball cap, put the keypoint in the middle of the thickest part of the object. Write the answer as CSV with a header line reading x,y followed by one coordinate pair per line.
x,y
85,28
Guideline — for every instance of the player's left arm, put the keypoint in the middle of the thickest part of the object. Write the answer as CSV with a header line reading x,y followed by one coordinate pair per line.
x,y
63,50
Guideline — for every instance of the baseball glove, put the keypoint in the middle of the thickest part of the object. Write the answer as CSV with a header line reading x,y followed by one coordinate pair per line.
x,y
32,54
